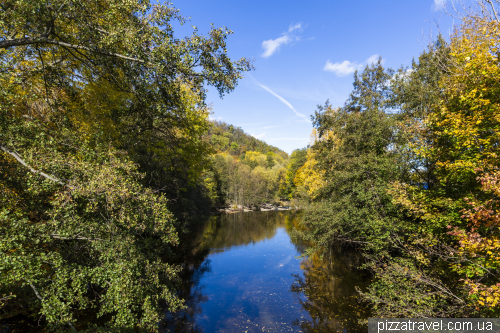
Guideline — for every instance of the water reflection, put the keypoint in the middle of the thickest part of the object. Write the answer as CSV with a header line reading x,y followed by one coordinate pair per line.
x,y
244,276
329,284
224,232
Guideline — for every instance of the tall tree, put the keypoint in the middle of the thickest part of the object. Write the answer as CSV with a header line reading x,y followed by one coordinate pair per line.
x,y
101,114
357,156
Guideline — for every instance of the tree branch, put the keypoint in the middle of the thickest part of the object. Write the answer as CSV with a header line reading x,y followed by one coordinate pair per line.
x,y
493,8
41,300
20,160
57,236
36,292
44,40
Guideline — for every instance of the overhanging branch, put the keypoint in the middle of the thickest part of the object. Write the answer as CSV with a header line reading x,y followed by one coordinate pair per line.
x,y
20,160
44,40
41,300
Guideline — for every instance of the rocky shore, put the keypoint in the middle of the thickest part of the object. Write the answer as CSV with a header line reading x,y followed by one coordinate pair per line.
x,y
261,208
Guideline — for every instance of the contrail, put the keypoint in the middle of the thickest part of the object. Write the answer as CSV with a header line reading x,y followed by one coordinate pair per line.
x,y
285,102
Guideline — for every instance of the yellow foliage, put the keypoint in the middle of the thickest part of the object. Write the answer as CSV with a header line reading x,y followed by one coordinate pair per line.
x,y
470,117
309,179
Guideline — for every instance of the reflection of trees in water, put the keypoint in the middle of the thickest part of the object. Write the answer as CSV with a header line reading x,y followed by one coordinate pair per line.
x,y
215,235
292,223
190,291
329,284
223,232
194,265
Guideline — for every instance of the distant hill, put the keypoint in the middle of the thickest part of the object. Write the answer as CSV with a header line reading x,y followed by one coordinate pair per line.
x,y
233,140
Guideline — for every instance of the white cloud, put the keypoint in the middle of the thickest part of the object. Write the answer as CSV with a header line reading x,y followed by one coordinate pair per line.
x,y
439,4
345,68
373,59
301,115
341,69
272,45
217,119
294,27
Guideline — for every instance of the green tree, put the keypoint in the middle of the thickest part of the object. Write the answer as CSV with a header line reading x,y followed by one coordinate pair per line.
x,y
297,160
102,118
457,214
359,161
270,162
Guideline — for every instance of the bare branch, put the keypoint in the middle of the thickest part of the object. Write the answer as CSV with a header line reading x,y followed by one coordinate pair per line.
x,y
44,40
36,292
493,8
20,160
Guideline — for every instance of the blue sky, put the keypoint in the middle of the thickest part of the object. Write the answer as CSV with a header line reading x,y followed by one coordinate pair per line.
x,y
306,53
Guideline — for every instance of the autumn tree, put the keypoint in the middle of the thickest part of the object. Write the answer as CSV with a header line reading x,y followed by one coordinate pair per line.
x,y
295,162
102,117
458,213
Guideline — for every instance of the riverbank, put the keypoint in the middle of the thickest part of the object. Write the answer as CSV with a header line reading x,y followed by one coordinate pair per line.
x,y
282,206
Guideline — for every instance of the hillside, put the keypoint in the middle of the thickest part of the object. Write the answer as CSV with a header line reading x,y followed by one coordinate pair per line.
x,y
233,140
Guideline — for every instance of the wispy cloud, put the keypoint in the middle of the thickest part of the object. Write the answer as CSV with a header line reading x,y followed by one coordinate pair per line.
x,y
345,68
439,4
297,26
373,59
272,45
301,115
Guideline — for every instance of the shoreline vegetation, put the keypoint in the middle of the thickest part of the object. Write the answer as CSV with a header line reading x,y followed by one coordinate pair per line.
x,y
108,157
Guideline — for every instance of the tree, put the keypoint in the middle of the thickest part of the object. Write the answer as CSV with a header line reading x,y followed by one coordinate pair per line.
x,y
454,235
415,281
356,155
461,136
309,179
102,117
297,159
270,162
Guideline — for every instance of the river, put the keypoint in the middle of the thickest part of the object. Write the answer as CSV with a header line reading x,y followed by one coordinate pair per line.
x,y
244,274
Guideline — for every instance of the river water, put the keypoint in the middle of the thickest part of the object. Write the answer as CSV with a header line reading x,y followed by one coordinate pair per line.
x,y
244,274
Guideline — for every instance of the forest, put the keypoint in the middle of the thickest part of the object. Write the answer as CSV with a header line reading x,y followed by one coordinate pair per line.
x,y
108,156
243,171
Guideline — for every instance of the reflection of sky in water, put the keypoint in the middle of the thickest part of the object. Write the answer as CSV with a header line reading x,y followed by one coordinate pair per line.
x,y
248,288
244,276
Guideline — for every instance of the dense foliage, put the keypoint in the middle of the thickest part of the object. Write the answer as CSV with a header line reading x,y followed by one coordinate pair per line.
x,y
107,153
234,141
359,162
245,171
102,116
408,172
